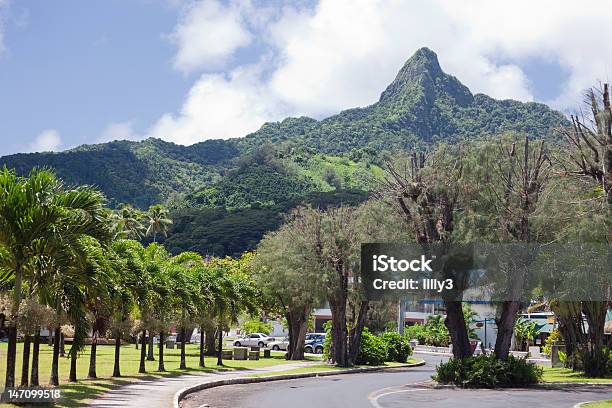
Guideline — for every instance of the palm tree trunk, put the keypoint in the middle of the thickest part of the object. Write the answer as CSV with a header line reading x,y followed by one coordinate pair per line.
x,y
35,353
62,344
11,353
202,347
220,344
92,356
72,377
117,367
160,366
183,335
11,356
143,353
150,356
55,361
25,365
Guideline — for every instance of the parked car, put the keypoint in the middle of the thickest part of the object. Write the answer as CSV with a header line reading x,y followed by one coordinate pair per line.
x,y
315,345
281,344
313,336
254,339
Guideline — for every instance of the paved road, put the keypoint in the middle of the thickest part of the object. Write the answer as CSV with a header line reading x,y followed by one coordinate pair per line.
x,y
389,389
159,392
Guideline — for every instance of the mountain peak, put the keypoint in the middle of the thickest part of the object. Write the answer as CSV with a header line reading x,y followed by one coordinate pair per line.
x,y
423,58
422,71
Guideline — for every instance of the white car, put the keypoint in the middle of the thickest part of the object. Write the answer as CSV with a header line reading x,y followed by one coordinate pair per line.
x,y
279,344
254,339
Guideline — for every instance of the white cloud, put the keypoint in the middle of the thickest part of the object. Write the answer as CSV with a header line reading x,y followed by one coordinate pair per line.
x,y
220,107
343,53
48,140
118,131
207,35
519,30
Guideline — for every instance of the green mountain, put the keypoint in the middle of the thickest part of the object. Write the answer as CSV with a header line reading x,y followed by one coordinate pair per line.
x,y
422,106
139,173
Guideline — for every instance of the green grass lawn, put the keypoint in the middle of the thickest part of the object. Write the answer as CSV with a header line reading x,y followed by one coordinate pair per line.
x,y
317,368
567,375
599,404
76,394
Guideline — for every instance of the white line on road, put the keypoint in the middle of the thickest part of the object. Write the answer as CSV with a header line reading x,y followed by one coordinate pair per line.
x,y
374,396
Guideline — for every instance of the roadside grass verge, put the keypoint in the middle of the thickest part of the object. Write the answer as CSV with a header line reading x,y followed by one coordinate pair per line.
x,y
318,368
77,394
598,404
552,375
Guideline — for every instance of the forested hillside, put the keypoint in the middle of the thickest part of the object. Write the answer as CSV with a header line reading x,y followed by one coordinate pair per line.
x,y
224,195
220,231
138,173
422,106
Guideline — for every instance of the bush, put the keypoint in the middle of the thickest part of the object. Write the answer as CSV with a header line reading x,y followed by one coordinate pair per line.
x,y
327,341
554,339
488,372
373,350
432,333
256,326
398,347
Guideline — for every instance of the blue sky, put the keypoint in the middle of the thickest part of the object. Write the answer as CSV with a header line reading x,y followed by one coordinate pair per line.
x,y
79,66
74,72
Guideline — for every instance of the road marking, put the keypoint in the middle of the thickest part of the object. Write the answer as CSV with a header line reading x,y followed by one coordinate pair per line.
x,y
374,401
374,396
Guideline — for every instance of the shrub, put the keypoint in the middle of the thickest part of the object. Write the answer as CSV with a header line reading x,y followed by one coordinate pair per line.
x,y
327,341
432,333
373,350
398,347
488,372
553,339
256,326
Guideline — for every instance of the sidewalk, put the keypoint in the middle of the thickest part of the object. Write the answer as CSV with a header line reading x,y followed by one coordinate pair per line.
x,y
159,393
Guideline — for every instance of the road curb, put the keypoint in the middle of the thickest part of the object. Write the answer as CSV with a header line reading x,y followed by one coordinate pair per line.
x,y
542,385
574,383
179,395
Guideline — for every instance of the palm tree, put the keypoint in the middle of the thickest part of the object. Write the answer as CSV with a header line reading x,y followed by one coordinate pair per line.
x,y
183,273
98,293
74,269
121,297
205,313
158,221
129,222
232,292
41,219
26,213
148,262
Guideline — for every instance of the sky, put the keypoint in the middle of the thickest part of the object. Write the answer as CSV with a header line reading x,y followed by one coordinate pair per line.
x,y
76,72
